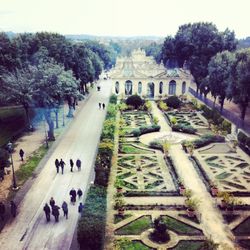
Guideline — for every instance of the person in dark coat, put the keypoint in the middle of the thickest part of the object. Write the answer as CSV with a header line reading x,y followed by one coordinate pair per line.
x,y
103,105
72,193
46,210
80,208
62,164
71,165
57,164
65,209
55,212
100,105
78,164
21,153
52,202
13,208
79,193
2,210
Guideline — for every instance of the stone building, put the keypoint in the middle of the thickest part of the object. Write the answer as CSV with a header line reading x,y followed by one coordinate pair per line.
x,y
140,74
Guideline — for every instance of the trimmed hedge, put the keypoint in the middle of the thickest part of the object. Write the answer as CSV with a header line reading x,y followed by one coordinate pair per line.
x,y
184,128
156,145
91,226
244,142
145,130
207,139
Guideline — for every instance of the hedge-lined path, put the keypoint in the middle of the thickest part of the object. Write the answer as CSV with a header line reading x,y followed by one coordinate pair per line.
x,y
211,218
30,230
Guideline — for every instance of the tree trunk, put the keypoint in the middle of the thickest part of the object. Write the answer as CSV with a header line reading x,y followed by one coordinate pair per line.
x,y
243,112
71,107
214,102
56,113
221,104
50,122
197,89
26,108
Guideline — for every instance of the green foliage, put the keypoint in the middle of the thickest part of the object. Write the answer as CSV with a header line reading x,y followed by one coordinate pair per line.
x,y
173,102
183,128
156,145
113,99
135,101
135,227
207,139
145,129
91,226
162,106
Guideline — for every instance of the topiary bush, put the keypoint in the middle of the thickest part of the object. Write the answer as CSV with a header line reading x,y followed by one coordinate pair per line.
x,y
173,102
183,128
145,129
207,139
135,101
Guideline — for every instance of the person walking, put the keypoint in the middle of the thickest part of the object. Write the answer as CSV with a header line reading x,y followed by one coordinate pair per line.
x,y
71,165
78,164
46,210
65,209
103,105
100,105
72,193
21,153
2,210
79,193
62,164
52,202
55,212
57,164
13,208
80,207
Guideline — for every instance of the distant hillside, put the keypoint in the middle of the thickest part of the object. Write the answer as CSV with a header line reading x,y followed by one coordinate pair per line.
x,y
244,43
93,37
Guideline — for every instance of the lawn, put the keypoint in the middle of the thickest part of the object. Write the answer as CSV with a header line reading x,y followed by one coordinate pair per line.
x,y
130,149
135,227
180,227
243,228
26,170
134,245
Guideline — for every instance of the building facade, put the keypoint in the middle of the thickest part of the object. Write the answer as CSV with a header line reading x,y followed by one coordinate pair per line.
x,y
140,74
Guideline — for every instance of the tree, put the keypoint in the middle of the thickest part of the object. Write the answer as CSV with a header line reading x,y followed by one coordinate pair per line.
x,y
18,88
240,88
219,76
168,52
135,101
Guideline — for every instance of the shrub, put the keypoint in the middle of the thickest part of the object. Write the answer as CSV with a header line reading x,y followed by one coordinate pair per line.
x,y
145,130
207,139
242,138
91,226
162,106
226,126
135,101
173,102
113,99
156,145
183,128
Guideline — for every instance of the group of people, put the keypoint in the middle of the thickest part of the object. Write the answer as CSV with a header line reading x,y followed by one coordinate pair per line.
x,y
13,209
53,209
101,105
61,164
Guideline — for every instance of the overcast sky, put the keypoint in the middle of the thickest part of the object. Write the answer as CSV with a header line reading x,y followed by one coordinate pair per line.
x,y
122,17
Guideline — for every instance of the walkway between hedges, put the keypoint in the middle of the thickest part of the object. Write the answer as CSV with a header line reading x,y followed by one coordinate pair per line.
x,y
211,218
30,230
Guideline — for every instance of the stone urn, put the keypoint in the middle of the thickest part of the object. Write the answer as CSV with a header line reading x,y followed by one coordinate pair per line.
x,y
214,190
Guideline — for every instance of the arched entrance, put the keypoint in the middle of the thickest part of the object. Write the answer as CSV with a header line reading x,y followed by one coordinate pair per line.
x,y
183,90
172,88
151,90
128,87
139,88
117,87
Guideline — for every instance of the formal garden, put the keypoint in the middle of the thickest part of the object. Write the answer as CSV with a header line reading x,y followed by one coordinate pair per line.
x,y
148,204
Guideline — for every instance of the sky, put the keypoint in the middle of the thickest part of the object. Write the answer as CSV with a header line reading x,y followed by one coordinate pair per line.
x,y
122,17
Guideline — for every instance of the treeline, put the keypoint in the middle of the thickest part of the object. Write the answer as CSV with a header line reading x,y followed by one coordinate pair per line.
x,y
45,69
212,59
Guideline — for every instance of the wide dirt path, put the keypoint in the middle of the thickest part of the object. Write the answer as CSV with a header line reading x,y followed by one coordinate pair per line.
x,y
30,230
